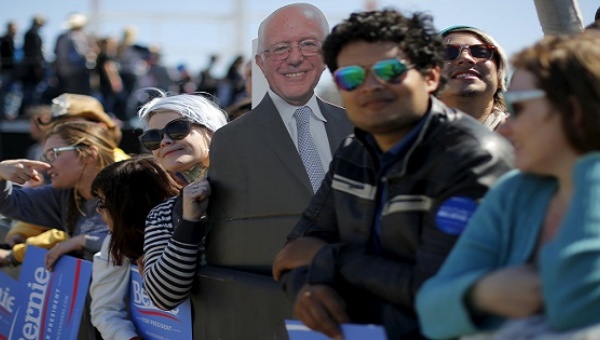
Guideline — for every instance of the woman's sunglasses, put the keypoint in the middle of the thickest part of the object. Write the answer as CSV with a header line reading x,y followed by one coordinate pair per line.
x,y
349,78
176,130
514,98
482,51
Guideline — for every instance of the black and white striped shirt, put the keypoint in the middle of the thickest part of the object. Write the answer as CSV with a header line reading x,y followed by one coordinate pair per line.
x,y
172,248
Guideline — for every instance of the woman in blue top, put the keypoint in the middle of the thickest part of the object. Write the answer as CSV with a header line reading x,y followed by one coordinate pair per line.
x,y
74,153
532,249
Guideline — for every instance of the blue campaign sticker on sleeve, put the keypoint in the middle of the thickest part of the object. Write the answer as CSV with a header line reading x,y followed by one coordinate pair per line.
x,y
454,214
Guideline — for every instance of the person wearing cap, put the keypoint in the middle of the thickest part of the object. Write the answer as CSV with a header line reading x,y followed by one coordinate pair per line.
x,y
73,153
70,106
33,65
8,70
527,264
66,107
476,69
399,191
75,56
178,131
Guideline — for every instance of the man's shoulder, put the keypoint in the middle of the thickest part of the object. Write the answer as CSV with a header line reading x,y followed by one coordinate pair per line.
x,y
459,126
330,105
239,124
463,141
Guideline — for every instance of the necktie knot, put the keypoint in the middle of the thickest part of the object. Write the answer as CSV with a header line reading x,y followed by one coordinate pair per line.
x,y
302,115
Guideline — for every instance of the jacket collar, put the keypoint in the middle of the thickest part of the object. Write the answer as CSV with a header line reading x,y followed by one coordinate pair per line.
x,y
437,109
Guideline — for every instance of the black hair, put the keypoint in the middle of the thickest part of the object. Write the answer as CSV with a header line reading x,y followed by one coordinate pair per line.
x,y
130,189
415,36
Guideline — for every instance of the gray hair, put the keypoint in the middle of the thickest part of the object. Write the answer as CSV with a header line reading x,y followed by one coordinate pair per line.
x,y
196,108
310,11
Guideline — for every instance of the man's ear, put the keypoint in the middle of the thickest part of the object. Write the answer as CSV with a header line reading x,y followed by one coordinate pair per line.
x,y
432,79
259,61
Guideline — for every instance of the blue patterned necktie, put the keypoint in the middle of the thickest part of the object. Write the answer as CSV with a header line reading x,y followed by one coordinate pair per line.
x,y
307,148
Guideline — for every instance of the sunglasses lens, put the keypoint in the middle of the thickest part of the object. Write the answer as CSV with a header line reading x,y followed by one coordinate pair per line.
x,y
389,70
178,129
451,52
350,77
481,51
151,139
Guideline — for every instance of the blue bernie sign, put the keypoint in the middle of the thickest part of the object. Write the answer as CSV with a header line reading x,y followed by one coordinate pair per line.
x,y
153,323
49,305
8,289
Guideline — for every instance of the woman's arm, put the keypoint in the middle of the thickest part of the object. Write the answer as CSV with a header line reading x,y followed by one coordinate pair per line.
x,y
109,287
171,256
444,302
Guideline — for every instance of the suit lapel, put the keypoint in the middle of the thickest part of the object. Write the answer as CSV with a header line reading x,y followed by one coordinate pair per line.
x,y
275,136
335,124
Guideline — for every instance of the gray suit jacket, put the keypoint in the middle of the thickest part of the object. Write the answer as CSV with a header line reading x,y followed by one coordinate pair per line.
x,y
259,186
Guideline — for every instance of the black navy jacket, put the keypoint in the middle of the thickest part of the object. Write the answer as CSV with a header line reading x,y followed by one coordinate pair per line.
x,y
454,156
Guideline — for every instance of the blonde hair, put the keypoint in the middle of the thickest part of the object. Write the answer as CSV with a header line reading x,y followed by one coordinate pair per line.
x,y
86,134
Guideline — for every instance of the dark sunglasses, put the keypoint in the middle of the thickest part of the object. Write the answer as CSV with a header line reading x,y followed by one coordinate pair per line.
x,y
176,130
348,78
482,51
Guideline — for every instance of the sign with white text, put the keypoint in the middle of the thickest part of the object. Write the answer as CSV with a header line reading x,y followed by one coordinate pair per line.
x,y
153,323
8,289
49,305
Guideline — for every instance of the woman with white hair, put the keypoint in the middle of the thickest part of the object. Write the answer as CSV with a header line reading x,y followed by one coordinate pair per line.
x,y
178,131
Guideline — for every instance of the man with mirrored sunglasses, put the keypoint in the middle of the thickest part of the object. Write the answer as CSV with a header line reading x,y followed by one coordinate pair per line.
x,y
475,68
399,191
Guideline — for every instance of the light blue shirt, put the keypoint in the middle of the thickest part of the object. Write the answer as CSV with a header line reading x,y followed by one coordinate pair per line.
x,y
317,125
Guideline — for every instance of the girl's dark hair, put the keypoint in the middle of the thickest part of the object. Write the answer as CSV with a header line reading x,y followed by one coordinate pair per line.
x,y
130,189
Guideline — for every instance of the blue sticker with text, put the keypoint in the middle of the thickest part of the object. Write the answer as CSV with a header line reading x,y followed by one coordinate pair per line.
x,y
454,214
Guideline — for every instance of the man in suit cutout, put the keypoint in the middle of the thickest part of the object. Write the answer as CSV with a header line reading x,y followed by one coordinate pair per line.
x,y
259,183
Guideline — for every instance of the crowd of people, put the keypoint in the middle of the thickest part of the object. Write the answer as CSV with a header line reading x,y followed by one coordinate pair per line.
x,y
109,68
443,200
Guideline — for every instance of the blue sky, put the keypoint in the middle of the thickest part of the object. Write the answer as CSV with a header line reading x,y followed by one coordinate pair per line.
x,y
189,30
